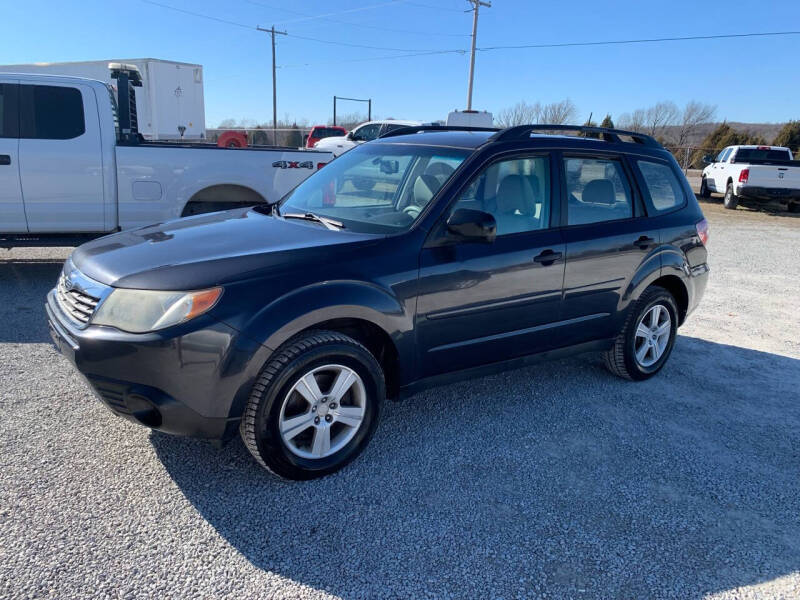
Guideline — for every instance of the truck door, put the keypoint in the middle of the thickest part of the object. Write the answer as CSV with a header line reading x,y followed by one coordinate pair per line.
x,y
60,158
12,211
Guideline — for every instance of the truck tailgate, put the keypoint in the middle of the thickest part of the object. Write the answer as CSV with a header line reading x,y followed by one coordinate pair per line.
x,y
774,176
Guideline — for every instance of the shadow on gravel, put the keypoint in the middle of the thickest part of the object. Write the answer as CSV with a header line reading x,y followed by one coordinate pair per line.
x,y
23,289
772,209
555,480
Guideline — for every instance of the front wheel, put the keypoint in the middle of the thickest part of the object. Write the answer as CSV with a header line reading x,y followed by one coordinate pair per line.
x,y
314,407
643,346
731,200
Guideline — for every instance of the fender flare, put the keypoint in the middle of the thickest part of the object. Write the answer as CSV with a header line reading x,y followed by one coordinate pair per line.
x,y
317,303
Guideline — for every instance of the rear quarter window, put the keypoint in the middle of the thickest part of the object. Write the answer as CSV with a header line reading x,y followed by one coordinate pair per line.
x,y
662,185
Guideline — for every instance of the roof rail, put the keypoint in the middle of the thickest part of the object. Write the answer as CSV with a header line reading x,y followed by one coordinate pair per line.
x,y
411,129
608,135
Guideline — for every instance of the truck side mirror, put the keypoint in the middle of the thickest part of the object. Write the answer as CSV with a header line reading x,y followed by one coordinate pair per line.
x,y
708,159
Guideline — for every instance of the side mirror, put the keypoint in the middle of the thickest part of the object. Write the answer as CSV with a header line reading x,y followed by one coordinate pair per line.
x,y
352,137
708,159
467,225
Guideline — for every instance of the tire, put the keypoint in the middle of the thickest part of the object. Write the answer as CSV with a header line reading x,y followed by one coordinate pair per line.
x,y
704,191
794,207
621,359
731,200
280,396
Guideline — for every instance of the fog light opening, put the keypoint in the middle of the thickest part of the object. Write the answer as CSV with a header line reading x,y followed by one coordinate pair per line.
x,y
143,410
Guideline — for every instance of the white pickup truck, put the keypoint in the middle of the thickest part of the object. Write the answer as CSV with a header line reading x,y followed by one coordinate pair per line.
x,y
72,161
758,173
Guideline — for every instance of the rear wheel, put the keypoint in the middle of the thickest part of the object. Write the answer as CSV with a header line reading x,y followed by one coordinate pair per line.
x,y
704,191
731,200
643,346
315,406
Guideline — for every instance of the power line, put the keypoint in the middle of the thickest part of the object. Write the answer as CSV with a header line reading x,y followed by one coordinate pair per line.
x,y
362,25
641,41
423,5
412,52
302,37
197,14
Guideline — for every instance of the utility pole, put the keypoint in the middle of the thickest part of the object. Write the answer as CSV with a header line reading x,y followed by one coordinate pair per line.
x,y
272,33
476,4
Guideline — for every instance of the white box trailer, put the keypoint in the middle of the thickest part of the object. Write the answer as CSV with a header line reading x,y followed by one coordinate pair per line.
x,y
171,95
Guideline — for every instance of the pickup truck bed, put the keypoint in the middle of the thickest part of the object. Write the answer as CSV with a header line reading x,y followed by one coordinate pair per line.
x,y
68,164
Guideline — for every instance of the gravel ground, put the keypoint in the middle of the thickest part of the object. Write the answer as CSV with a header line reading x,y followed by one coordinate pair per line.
x,y
556,481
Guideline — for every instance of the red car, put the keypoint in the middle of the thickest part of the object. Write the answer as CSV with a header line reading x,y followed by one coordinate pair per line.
x,y
322,131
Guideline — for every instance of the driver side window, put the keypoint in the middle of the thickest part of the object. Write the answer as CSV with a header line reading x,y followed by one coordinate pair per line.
x,y
516,192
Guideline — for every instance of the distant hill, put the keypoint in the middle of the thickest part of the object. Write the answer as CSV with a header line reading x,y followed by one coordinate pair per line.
x,y
766,130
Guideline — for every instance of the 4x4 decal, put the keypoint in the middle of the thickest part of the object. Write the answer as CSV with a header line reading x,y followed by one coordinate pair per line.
x,y
293,164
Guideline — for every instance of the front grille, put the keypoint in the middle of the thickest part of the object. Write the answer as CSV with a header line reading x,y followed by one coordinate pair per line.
x,y
77,305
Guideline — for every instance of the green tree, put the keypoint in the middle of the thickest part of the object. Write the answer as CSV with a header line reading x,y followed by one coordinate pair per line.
x,y
789,136
607,122
724,135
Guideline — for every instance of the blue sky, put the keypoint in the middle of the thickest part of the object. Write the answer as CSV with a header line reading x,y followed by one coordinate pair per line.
x,y
753,79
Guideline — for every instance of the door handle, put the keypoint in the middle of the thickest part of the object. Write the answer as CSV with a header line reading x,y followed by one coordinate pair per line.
x,y
547,257
5,159
644,242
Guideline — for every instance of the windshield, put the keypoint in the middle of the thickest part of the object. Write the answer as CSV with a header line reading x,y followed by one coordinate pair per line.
x,y
378,188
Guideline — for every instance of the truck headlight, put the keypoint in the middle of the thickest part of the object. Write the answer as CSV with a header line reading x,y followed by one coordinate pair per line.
x,y
140,311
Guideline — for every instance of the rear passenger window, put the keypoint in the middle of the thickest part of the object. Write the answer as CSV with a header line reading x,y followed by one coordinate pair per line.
x,y
516,192
663,187
597,191
50,112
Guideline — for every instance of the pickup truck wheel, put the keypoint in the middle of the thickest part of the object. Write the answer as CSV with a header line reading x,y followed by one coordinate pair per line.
x,y
643,346
315,405
731,200
704,191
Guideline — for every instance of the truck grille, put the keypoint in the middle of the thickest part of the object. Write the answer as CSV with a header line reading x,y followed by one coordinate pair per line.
x,y
77,305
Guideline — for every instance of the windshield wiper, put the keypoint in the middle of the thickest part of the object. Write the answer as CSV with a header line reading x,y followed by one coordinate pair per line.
x,y
309,216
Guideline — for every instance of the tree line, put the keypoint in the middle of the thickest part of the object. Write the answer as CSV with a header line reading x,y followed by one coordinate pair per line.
x,y
676,128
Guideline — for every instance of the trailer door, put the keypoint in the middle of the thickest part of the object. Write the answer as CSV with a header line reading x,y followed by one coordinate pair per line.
x,y
60,158
12,211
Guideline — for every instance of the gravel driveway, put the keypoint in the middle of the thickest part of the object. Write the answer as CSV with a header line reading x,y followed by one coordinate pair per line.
x,y
556,481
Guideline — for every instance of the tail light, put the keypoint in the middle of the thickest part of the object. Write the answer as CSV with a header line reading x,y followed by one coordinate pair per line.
x,y
702,231
744,175
320,165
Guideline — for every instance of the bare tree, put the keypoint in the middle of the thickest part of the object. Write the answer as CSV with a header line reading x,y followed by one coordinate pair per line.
x,y
694,115
660,116
559,113
634,121
521,113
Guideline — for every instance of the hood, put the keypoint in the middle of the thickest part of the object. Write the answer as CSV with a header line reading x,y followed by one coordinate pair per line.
x,y
207,250
332,141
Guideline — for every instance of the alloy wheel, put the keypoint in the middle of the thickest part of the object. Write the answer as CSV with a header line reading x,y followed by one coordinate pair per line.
x,y
652,335
322,411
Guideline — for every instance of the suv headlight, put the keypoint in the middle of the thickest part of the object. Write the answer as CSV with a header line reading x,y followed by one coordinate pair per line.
x,y
140,311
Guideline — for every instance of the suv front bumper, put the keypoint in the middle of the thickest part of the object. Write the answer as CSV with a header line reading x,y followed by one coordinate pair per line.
x,y
191,379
